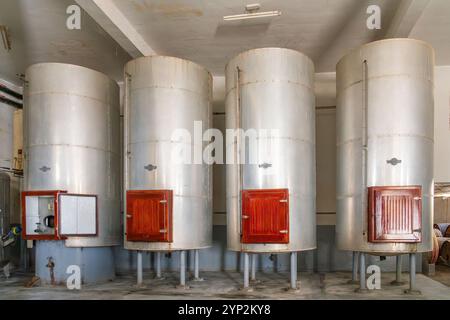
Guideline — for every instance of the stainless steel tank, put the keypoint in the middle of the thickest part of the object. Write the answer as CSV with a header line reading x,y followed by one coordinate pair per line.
x,y
271,91
71,141
164,95
384,139
6,135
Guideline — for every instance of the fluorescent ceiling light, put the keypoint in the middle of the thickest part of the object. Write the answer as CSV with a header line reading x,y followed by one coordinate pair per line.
x,y
252,15
252,12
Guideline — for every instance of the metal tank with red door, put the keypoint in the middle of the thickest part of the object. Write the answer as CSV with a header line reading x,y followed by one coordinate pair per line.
x,y
271,190
168,196
385,132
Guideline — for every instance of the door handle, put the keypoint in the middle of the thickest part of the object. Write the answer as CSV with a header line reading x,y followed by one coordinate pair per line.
x,y
163,231
129,216
245,217
283,200
283,231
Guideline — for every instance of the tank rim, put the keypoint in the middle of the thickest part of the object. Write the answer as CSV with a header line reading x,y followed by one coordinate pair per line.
x,y
269,48
368,44
72,66
171,57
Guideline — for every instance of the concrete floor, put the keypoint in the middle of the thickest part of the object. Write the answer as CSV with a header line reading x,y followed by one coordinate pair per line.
x,y
224,285
442,274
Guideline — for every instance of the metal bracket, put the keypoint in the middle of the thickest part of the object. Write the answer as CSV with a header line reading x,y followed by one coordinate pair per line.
x,y
44,169
150,167
265,165
394,161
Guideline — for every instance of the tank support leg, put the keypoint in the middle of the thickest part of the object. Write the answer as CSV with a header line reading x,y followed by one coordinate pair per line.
x,y
182,284
253,276
355,256
412,275
158,266
197,266
139,268
398,272
293,271
362,273
246,272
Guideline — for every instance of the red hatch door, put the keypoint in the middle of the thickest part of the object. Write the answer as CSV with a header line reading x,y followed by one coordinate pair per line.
x,y
149,215
395,214
265,216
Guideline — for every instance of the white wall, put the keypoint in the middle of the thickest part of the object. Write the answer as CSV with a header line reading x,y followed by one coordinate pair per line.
x,y
442,124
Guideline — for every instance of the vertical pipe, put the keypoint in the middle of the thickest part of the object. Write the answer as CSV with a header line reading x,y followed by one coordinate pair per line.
x,y
362,271
253,276
294,270
196,264
412,272
158,265
238,145
125,147
139,268
183,268
246,271
398,269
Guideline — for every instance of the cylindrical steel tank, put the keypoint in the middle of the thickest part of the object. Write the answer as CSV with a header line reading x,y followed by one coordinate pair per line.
x,y
163,96
385,113
71,143
270,91
6,135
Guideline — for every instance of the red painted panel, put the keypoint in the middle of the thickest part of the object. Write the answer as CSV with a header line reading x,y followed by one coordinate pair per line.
x,y
265,216
149,215
56,235
395,214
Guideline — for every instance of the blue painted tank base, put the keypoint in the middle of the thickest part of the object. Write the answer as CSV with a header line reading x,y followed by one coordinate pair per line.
x,y
96,264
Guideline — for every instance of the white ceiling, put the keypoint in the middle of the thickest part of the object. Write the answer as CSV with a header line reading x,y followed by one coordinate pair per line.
x,y
194,29
39,34
434,27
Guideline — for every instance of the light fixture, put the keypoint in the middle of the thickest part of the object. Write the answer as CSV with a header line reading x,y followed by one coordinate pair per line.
x,y
252,11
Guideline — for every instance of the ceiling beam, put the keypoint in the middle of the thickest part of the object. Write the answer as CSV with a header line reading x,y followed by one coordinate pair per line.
x,y
405,18
113,21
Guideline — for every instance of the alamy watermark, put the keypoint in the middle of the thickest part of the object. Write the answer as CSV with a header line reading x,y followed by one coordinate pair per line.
x,y
73,281
373,22
251,146
73,21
